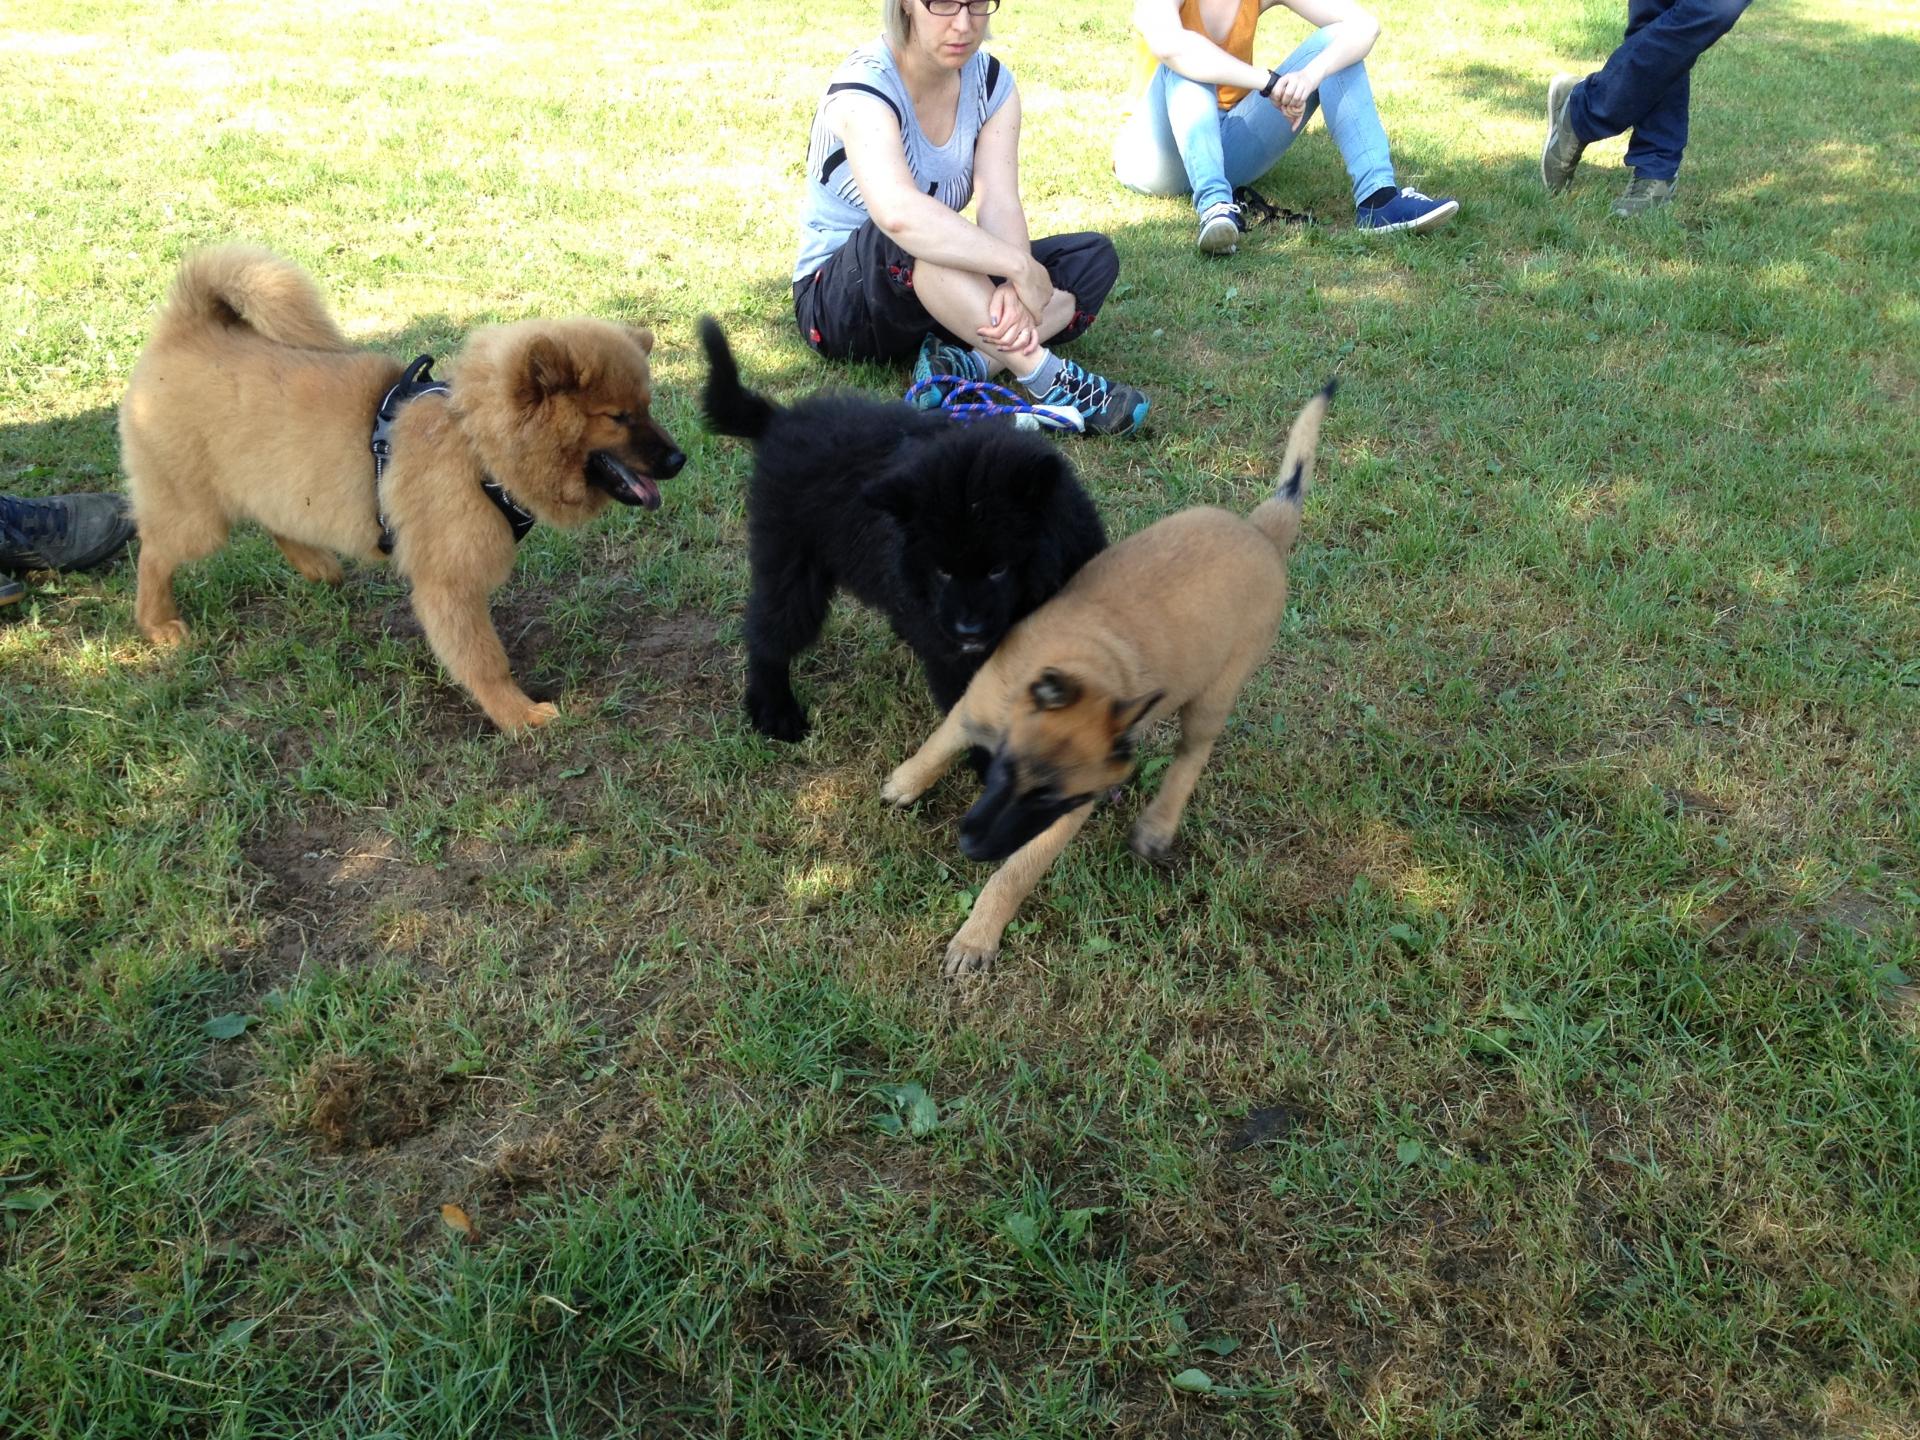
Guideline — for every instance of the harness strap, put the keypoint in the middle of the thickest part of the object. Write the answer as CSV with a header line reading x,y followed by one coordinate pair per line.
x,y
417,380
518,517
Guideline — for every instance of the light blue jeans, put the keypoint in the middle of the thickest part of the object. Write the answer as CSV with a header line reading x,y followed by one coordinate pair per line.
x,y
1178,139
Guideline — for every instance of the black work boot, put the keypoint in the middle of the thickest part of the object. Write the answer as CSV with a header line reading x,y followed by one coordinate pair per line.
x,y
64,532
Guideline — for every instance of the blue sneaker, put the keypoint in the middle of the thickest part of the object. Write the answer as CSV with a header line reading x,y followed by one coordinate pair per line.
x,y
12,592
939,357
1104,406
1409,210
1220,227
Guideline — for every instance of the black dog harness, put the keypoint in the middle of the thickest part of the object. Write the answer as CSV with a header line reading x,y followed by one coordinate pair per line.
x,y
417,380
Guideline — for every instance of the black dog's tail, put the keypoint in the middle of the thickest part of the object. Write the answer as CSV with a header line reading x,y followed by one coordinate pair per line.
x,y
731,408
1279,518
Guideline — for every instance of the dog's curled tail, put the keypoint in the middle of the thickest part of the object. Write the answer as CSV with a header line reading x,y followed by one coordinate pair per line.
x,y
731,408
1279,518
243,285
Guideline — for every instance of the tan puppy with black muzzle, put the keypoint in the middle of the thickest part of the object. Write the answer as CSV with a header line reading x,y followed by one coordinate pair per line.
x,y
1174,618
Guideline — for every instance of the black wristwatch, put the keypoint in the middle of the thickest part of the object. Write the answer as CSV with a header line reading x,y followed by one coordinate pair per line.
x,y
1273,79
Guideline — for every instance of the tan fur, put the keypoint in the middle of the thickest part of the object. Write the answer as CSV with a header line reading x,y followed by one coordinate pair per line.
x,y
1173,619
248,404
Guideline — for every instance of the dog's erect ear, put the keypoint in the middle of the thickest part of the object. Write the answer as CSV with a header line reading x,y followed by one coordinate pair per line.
x,y
550,370
1040,476
642,337
1054,690
897,493
1129,713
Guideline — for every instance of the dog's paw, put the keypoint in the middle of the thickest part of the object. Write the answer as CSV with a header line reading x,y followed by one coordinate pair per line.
x,y
168,633
777,719
901,788
531,718
1150,842
966,957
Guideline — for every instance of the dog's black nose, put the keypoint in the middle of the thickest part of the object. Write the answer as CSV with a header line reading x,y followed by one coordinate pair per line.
x,y
669,465
969,629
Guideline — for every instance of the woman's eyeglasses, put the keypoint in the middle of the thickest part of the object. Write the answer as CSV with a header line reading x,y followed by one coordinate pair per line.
x,y
980,8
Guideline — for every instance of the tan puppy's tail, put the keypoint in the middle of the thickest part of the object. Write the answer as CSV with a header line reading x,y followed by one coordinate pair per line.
x,y
245,286
1279,518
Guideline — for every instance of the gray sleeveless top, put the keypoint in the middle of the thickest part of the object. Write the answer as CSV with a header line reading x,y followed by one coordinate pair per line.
x,y
833,209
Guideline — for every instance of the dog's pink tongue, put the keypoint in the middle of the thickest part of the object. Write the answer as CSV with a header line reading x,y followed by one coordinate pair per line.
x,y
642,488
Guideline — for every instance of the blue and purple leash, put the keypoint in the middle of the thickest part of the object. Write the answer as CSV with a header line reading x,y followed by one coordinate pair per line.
x,y
967,399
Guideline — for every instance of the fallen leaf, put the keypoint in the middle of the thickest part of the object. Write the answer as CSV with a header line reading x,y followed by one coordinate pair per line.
x,y
236,1335
457,1219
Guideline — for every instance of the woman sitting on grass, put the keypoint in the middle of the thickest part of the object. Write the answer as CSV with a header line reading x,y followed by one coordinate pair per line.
x,y
913,126
1208,120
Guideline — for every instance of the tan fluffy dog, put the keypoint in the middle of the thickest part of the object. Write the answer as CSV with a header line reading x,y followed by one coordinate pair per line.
x,y
248,404
1174,618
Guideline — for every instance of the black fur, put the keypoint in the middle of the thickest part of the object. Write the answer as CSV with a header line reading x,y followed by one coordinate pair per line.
x,y
952,531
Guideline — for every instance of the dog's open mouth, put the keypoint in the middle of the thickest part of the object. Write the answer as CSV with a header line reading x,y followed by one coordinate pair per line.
x,y
605,471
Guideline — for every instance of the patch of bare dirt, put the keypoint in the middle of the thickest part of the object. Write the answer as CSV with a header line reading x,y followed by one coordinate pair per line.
x,y
675,657
794,1320
330,881
1749,928
357,1105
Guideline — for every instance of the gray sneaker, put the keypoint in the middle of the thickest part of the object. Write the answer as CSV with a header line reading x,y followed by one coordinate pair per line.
x,y
1560,156
66,532
1105,406
1641,195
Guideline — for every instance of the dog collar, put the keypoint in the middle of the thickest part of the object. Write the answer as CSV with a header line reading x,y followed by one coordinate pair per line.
x,y
417,380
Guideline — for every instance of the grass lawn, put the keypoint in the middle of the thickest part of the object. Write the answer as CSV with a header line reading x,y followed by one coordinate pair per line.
x,y
1524,1041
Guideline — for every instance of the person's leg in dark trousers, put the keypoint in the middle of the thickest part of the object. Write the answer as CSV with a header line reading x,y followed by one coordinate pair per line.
x,y
860,305
1660,134
1085,265
1643,87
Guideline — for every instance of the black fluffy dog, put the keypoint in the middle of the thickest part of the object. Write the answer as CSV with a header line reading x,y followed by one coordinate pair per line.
x,y
951,531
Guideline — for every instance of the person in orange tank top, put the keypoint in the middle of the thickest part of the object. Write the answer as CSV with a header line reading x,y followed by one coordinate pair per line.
x,y
1208,120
